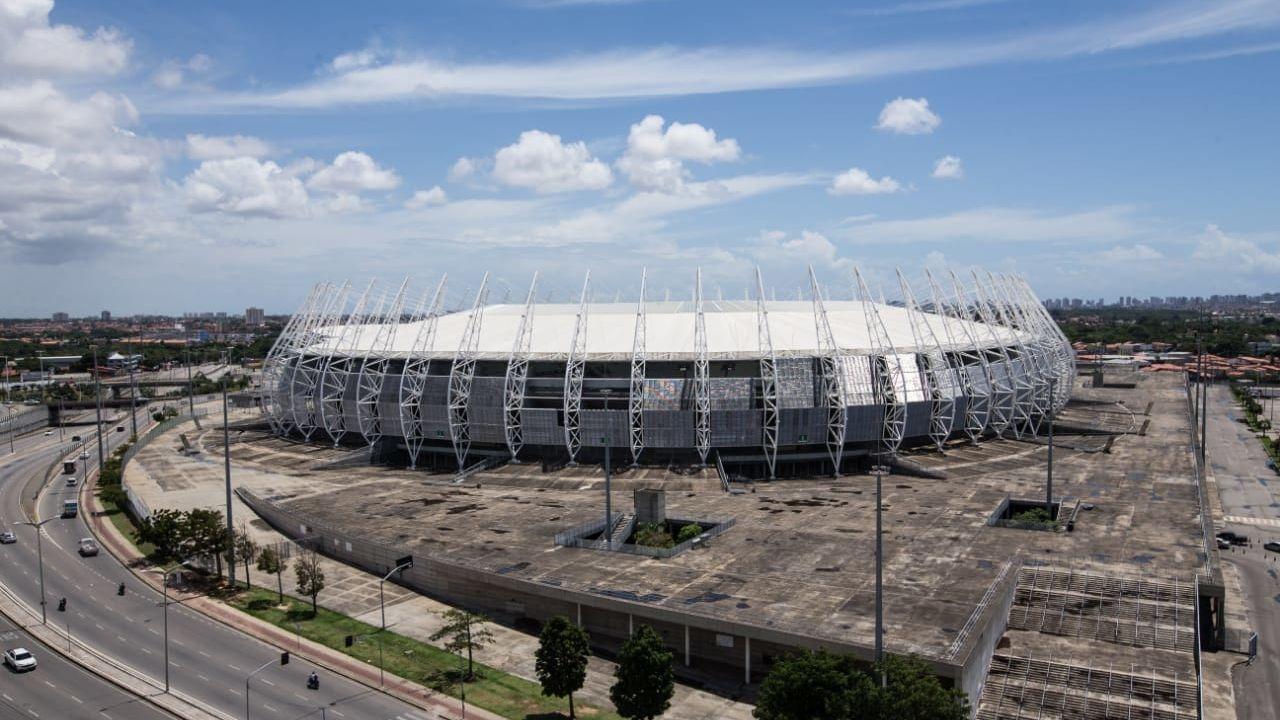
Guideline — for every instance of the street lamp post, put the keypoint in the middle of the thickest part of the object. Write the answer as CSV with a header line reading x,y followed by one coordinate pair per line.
x,y
10,428
402,564
226,461
880,470
608,476
284,660
97,394
1048,498
40,561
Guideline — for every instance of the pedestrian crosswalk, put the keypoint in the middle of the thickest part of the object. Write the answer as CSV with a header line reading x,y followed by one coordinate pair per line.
x,y
1242,520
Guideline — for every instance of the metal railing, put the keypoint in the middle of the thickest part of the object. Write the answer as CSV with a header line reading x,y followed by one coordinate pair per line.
x,y
137,507
997,584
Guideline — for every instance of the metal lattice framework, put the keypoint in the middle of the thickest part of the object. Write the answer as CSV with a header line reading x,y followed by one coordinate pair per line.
x,y
413,378
574,370
833,396
337,371
636,398
1038,358
275,368
376,365
768,380
1003,398
971,369
701,372
462,373
310,365
932,362
1064,359
517,374
991,312
886,374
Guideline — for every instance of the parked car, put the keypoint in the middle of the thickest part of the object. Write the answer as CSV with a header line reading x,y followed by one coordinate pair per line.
x,y
119,428
88,547
19,660
1272,545
1234,538
84,455
8,538
1223,544
47,433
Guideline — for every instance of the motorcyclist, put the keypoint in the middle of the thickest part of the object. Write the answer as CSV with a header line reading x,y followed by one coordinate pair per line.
x,y
313,681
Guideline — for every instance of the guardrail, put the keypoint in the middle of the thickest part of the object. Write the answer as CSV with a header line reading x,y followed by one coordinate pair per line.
x,y
1201,475
137,508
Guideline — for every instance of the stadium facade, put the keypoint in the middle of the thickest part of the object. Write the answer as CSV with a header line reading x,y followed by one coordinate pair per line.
x,y
763,387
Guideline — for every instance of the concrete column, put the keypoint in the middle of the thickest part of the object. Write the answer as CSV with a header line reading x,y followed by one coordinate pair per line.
x,y
630,624
686,646
579,614
747,672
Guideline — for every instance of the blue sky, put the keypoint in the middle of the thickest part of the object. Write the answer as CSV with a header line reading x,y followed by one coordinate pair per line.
x,y
161,157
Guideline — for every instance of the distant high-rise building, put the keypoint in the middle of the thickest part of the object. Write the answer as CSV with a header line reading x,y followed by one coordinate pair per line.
x,y
106,316
254,316
60,317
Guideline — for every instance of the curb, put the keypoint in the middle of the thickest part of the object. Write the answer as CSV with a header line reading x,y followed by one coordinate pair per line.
x,y
109,537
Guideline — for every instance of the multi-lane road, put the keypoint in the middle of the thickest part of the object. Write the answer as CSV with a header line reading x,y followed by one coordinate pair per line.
x,y
208,661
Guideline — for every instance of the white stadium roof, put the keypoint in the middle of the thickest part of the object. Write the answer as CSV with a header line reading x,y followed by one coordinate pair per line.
x,y
731,331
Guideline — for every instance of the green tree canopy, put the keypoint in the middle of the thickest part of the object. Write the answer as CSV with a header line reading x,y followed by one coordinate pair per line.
x,y
310,577
561,659
466,631
269,561
645,678
809,686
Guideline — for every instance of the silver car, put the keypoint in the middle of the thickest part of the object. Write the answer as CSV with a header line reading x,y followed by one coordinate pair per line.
x,y
8,538
19,660
88,547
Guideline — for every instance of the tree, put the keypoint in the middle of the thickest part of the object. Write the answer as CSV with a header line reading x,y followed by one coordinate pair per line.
x,y
205,534
561,659
834,687
166,530
269,561
645,678
466,631
310,577
688,532
246,550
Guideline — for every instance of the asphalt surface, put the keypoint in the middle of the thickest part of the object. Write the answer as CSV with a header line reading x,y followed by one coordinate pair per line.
x,y
207,660
1250,493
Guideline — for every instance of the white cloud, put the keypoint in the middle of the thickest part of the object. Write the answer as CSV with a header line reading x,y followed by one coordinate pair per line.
x,y
1138,252
542,162
654,157
218,147
427,198
245,186
463,169
908,116
1015,225
856,181
31,46
808,247
948,167
353,172
1240,254
172,74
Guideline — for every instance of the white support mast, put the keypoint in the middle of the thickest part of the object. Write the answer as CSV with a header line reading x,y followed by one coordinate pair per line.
x,y
1002,392
939,382
636,398
1035,363
276,364
462,373
312,362
1064,356
994,315
413,379
768,380
574,370
886,373
833,395
373,370
971,369
338,370
517,374
701,373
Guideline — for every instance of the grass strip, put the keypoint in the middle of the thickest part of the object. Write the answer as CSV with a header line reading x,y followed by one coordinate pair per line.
x,y
492,689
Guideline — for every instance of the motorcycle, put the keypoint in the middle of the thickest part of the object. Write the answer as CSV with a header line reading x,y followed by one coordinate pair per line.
x,y
313,682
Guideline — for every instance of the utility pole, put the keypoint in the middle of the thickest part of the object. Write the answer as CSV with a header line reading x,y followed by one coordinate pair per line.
x,y
226,461
880,470
608,495
97,394
191,400
1204,413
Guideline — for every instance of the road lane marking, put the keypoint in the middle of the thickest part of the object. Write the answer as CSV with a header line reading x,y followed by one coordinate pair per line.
x,y
46,682
73,697
268,682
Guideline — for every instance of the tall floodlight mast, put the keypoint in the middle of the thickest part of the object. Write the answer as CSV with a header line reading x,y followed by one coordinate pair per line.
x,y
462,373
971,369
337,369
517,374
574,370
376,365
701,373
940,381
833,395
768,380
635,400
413,379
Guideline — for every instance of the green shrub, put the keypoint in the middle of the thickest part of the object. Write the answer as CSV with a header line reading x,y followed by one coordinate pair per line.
x,y
688,532
654,535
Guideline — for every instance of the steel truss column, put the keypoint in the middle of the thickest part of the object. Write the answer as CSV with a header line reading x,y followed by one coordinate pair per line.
x,y
833,395
635,404
701,372
768,380
312,361
575,367
374,368
517,373
303,338
1040,374
932,361
1023,384
1002,393
337,370
273,367
886,373
969,361
462,373
413,379
1065,364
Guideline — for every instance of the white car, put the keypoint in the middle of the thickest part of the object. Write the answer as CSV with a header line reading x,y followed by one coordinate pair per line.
x,y
88,547
8,538
47,433
19,660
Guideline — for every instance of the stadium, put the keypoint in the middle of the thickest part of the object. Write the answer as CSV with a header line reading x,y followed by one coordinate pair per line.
x,y
757,388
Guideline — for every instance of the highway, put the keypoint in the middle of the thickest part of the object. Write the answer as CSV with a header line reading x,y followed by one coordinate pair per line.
x,y
208,661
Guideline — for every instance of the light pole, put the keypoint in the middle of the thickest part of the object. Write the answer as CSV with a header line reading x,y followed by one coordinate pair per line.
x,y
10,428
97,394
608,476
40,560
402,564
284,660
191,399
880,470
1048,493
226,461
164,586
